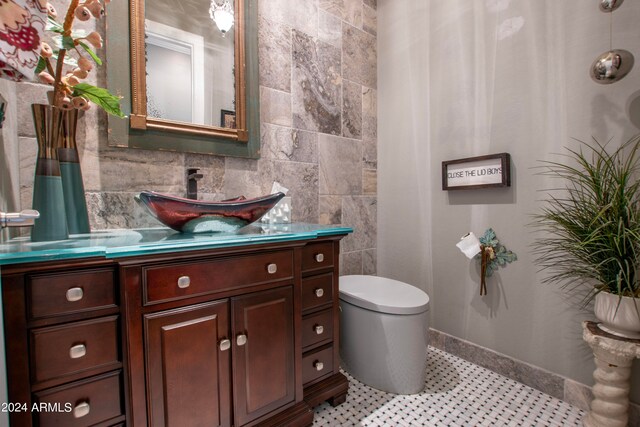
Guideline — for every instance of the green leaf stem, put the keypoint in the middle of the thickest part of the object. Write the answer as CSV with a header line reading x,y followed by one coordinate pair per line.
x,y
102,97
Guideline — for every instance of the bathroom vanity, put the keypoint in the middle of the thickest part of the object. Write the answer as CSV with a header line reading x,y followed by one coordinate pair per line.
x,y
157,328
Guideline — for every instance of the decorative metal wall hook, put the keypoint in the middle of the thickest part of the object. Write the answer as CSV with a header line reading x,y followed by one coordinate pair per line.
x,y
489,251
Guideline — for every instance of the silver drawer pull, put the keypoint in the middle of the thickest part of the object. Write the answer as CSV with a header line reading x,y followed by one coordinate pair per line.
x,y
241,339
319,292
77,351
82,409
318,365
74,294
319,257
319,329
272,268
225,344
184,282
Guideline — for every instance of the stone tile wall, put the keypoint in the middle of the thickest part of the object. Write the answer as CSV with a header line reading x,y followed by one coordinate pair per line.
x,y
318,63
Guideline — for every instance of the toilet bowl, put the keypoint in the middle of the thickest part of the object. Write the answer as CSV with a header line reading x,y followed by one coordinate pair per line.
x,y
384,333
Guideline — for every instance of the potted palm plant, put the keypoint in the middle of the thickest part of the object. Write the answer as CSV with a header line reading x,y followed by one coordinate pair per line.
x,y
591,225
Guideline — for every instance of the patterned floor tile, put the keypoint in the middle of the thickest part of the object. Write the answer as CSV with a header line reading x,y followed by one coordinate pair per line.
x,y
457,394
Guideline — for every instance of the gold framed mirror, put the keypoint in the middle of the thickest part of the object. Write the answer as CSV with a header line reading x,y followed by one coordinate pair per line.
x,y
221,121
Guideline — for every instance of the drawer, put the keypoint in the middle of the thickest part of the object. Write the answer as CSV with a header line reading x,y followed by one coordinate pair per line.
x,y
66,293
317,290
317,364
83,403
177,281
64,350
317,255
317,327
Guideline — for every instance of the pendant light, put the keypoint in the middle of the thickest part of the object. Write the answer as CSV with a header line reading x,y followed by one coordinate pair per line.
x,y
614,64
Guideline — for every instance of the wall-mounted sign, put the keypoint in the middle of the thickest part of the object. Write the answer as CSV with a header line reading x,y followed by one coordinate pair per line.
x,y
477,172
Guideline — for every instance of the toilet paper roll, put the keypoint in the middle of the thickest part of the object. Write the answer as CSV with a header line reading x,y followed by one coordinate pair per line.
x,y
469,245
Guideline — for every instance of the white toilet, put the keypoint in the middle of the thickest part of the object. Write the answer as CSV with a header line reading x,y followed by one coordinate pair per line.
x,y
384,333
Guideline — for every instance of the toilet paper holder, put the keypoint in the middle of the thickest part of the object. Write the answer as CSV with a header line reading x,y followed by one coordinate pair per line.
x,y
488,251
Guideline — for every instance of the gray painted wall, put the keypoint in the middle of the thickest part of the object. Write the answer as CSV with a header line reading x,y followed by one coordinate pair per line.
x,y
459,79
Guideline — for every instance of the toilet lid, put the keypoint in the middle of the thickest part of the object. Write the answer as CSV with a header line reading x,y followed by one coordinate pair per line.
x,y
383,295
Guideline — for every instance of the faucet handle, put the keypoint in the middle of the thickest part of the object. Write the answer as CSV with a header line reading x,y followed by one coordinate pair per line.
x,y
18,219
192,173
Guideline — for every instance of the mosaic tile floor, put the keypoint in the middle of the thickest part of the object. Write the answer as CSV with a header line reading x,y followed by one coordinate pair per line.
x,y
457,393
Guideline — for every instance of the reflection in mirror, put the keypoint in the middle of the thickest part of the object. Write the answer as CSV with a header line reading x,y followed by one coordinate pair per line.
x,y
185,47
188,72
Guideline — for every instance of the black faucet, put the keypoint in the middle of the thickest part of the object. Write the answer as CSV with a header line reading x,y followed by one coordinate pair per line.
x,y
192,183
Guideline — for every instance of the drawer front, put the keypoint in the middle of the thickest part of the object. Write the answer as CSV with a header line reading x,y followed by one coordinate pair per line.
x,y
83,403
317,327
317,290
317,255
56,294
317,364
69,349
177,281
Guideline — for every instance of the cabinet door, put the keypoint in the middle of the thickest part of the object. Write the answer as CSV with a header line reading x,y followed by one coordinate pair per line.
x,y
187,369
263,359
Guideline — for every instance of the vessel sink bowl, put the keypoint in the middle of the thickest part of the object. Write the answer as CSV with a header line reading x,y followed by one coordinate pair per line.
x,y
196,216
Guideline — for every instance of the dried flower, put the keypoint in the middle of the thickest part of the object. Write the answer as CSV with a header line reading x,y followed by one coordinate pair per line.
x,y
95,39
46,78
68,89
97,10
66,103
45,50
51,11
70,80
80,73
85,64
79,102
82,13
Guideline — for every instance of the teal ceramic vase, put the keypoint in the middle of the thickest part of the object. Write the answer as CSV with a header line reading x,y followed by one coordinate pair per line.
x,y
73,188
48,196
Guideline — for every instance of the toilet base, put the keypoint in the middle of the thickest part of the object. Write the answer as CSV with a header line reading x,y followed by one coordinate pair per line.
x,y
385,351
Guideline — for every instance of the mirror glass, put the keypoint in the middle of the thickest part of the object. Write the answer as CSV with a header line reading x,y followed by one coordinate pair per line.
x,y
190,70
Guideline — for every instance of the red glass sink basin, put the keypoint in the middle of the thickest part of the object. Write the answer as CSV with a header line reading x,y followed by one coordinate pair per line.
x,y
196,216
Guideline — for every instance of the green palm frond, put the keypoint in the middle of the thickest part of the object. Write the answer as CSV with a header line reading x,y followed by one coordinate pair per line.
x,y
592,225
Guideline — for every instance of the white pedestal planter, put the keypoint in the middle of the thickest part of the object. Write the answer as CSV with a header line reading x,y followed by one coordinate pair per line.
x,y
613,357
619,315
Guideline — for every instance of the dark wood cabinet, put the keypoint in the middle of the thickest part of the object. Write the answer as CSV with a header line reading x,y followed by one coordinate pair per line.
x,y
321,375
235,336
63,334
263,353
187,371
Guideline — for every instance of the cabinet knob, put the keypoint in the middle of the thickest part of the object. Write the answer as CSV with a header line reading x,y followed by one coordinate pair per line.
x,y
74,294
319,257
319,329
81,409
77,351
318,365
225,344
319,292
272,268
184,282
241,339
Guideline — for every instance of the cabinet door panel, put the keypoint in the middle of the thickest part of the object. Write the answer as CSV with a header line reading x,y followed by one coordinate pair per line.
x,y
264,375
187,373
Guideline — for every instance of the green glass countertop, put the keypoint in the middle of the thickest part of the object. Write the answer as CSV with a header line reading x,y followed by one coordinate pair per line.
x,y
121,243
